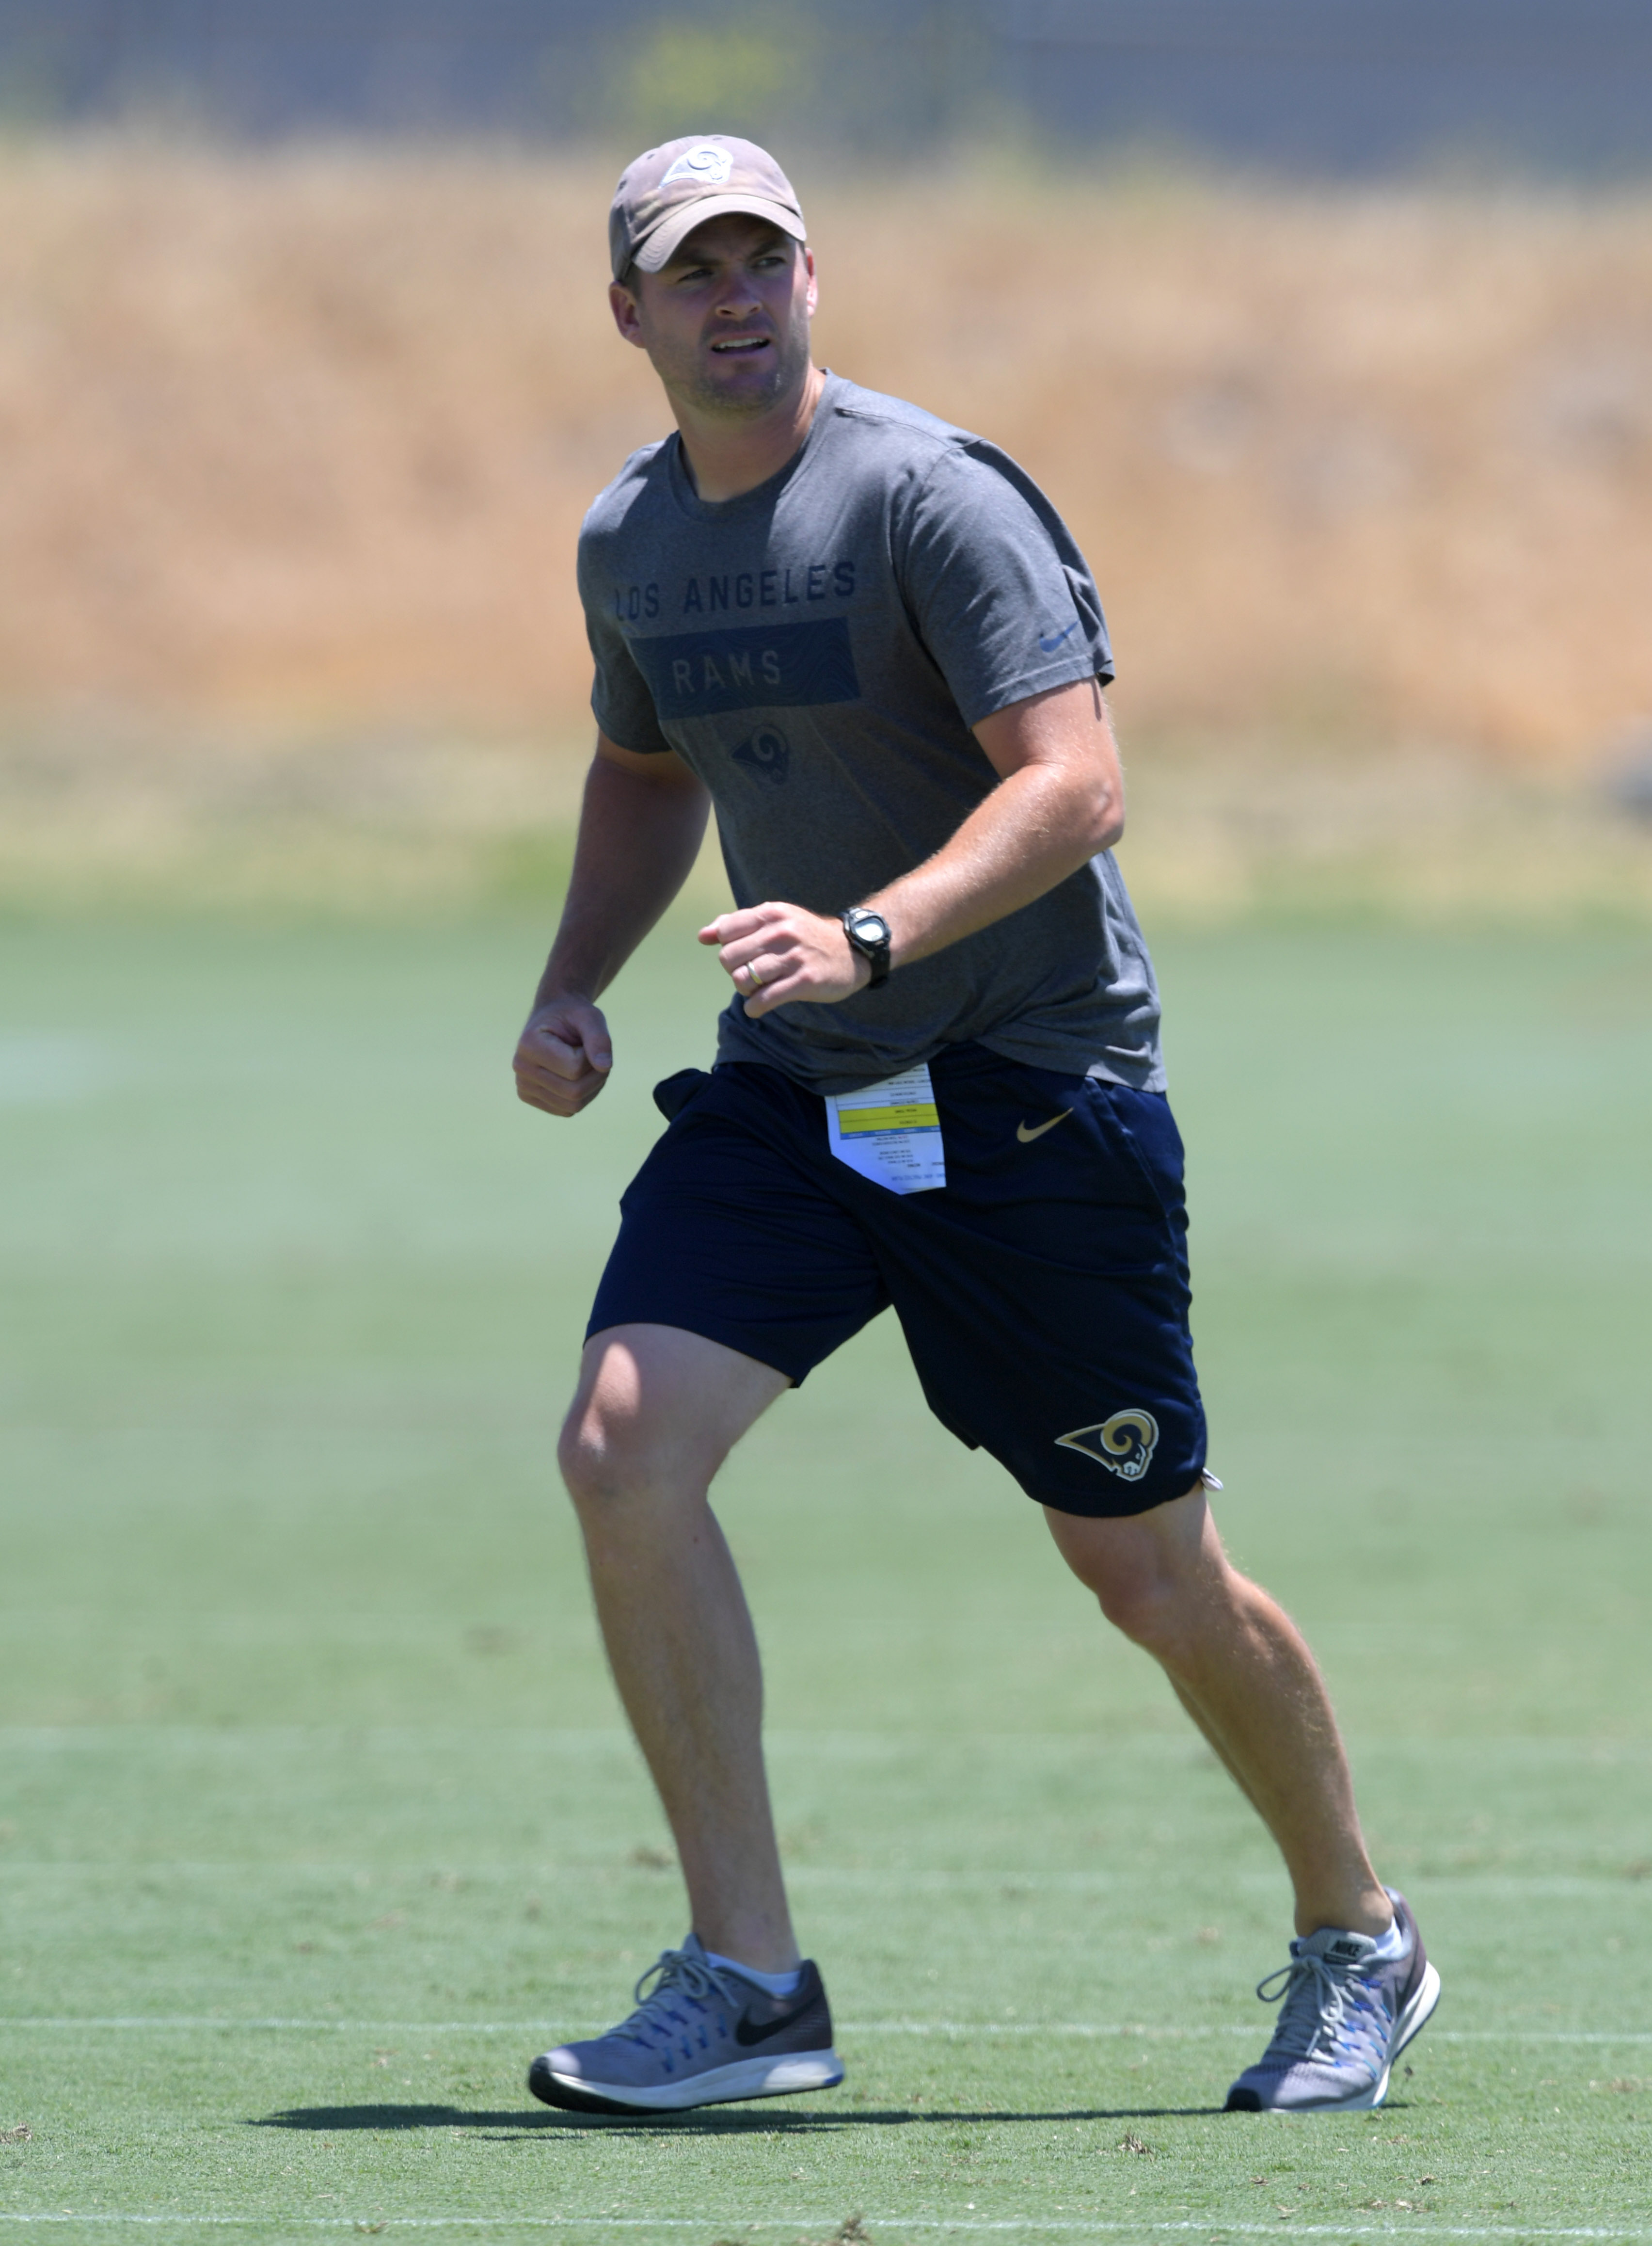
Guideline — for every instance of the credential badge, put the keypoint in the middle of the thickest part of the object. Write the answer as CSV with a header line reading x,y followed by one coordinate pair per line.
x,y
1125,1444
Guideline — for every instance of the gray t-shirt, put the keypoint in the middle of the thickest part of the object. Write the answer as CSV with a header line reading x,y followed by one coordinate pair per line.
x,y
817,650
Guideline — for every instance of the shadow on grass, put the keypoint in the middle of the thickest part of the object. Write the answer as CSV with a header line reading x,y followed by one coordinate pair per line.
x,y
326,2119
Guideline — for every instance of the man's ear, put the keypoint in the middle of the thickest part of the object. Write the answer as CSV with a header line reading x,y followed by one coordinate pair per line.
x,y
627,316
812,298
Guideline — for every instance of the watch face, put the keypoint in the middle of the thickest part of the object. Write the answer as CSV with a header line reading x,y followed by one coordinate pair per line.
x,y
872,928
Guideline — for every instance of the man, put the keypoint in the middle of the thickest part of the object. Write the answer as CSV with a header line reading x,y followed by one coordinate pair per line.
x,y
868,639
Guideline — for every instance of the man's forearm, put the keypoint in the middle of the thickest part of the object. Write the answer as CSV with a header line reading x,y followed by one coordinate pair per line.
x,y
638,837
1058,800
1038,825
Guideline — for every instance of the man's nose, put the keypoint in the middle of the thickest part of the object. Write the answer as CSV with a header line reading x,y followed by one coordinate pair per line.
x,y
739,297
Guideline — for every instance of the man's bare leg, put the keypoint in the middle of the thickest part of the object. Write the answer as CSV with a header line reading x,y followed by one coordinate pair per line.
x,y
657,1410
1240,1669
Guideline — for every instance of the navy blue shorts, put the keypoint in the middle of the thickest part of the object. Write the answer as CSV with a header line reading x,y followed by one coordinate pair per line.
x,y
1043,1289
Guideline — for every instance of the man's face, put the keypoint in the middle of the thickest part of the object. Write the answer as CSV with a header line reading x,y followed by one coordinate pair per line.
x,y
725,322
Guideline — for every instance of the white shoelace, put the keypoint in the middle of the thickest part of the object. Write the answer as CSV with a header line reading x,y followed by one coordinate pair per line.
x,y
675,1973
1318,2001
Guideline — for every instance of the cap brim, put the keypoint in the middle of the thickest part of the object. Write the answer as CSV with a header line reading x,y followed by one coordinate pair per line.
x,y
672,232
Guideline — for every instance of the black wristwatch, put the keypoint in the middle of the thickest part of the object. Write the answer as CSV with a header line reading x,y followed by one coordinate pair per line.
x,y
868,933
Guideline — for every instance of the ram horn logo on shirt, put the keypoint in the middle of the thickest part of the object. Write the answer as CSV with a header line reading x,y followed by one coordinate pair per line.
x,y
1125,1444
767,752
705,162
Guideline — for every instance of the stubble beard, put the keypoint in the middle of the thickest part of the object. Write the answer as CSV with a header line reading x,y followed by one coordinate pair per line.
x,y
785,365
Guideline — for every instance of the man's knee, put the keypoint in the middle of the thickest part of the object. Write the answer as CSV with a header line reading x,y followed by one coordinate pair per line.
x,y
612,1450
1153,1574
1148,1603
598,1463
657,1411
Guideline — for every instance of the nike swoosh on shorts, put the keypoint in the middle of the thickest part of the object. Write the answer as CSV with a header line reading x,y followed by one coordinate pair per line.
x,y
1027,1137
1051,645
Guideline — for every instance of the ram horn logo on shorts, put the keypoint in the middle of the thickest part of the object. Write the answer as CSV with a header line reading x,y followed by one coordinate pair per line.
x,y
707,163
1125,1444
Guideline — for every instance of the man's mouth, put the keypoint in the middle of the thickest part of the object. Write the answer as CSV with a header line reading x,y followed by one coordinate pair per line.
x,y
736,344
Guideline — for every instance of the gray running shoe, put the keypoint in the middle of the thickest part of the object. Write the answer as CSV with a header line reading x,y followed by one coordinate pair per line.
x,y
1344,2022
700,2035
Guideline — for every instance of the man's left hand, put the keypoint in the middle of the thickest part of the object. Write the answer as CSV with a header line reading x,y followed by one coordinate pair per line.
x,y
781,956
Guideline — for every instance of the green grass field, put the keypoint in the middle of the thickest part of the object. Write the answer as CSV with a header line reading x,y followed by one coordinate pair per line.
x,y
316,1820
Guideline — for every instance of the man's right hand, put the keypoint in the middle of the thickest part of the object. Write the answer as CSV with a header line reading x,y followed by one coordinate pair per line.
x,y
563,1057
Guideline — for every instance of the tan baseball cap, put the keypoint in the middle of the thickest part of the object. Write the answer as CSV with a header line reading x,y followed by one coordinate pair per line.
x,y
667,192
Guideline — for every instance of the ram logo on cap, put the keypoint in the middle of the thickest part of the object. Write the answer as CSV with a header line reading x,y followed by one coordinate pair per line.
x,y
669,191
708,163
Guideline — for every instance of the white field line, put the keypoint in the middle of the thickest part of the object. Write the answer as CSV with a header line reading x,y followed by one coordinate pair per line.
x,y
1012,2226
192,2023
1617,1887
582,1739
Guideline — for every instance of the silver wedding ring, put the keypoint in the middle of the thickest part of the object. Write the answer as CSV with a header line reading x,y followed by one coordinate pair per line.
x,y
752,976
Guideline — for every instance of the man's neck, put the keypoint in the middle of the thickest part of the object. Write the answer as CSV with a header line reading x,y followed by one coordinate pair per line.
x,y
728,455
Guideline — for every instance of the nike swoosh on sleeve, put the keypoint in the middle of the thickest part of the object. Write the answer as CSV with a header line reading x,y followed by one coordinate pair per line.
x,y
1051,645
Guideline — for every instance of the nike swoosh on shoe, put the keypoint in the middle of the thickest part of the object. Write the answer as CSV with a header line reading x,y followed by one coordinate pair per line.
x,y
749,2032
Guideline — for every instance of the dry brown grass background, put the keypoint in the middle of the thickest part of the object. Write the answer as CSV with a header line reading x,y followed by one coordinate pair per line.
x,y
297,445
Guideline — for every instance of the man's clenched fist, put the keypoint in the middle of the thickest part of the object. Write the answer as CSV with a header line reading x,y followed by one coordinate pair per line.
x,y
563,1057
